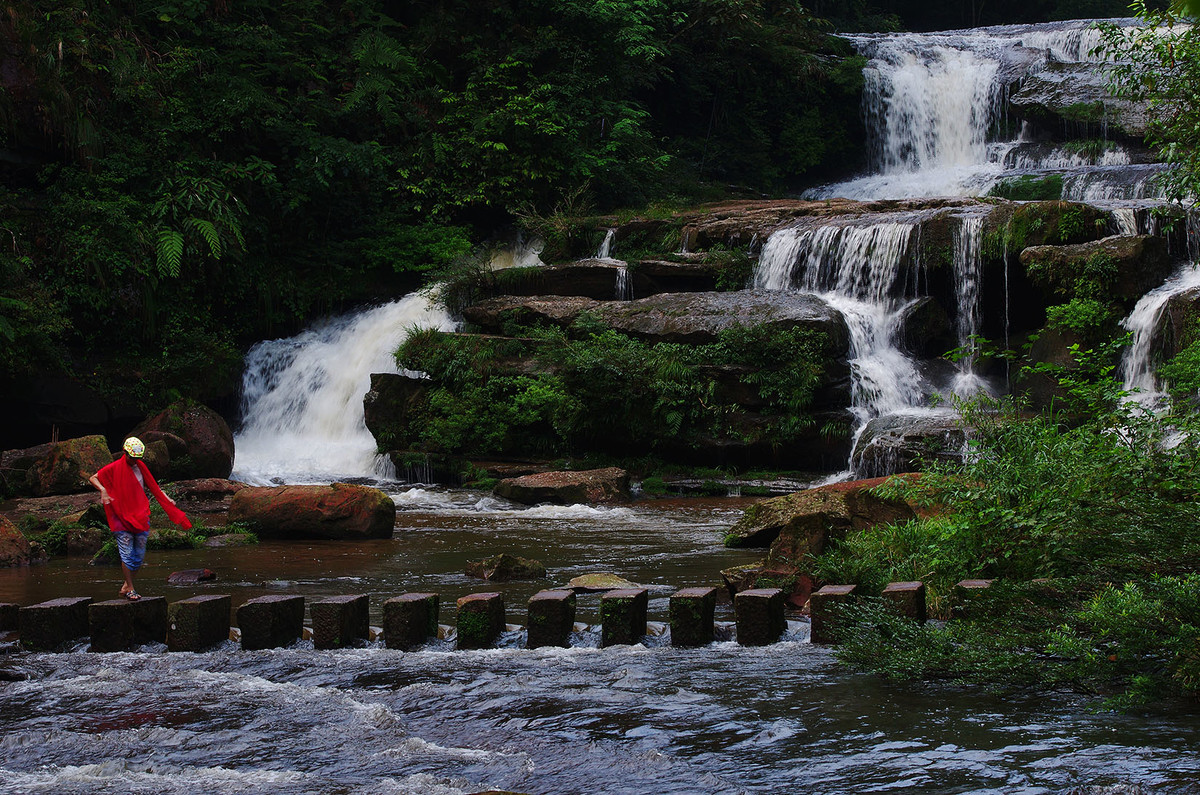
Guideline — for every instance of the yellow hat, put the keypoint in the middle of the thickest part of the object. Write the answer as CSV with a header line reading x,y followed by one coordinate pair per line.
x,y
134,447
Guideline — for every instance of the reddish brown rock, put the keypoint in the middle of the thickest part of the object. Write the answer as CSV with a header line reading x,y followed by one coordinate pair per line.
x,y
15,549
208,451
567,488
337,511
66,466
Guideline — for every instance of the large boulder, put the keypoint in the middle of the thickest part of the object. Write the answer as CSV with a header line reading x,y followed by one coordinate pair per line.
x,y
567,488
1072,96
697,318
493,313
15,549
337,511
1126,267
207,440
65,467
802,523
904,442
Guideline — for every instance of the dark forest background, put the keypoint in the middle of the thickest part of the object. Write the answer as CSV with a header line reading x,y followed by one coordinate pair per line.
x,y
181,179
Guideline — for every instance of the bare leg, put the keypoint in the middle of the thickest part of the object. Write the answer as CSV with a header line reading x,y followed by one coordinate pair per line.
x,y
128,586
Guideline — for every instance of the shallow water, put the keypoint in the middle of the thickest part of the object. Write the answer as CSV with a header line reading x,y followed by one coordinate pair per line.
x,y
584,720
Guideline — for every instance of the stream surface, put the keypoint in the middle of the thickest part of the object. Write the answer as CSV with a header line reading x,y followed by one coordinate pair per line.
x,y
632,719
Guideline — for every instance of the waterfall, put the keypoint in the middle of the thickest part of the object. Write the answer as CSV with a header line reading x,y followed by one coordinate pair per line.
x,y
968,244
1137,362
302,413
933,104
605,249
624,288
854,269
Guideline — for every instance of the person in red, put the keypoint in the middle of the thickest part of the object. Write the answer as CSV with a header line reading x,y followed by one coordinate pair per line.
x,y
123,485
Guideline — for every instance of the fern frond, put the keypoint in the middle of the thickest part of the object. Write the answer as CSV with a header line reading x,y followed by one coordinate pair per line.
x,y
169,252
208,231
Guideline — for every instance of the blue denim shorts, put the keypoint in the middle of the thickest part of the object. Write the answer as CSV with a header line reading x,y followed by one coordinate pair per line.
x,y
132,548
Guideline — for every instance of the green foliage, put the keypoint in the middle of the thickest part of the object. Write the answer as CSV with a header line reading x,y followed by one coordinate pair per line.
x,y
1089,528
1160,63
1029,188
1090,319
603,391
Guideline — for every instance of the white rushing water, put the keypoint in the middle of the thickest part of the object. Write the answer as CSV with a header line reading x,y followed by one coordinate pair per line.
x,y
302,396
934,106
1138,363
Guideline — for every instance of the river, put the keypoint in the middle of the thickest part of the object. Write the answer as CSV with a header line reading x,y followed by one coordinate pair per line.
x,y
632,719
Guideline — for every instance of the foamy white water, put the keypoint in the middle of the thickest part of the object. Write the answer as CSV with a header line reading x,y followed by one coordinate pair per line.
x,y
302,397
1137,363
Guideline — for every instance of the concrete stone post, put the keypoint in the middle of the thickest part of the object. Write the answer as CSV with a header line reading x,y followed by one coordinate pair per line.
x,y
409,619
340,621
121,625
823,606
691,612
759,616
48,625
623,616
906,599
551,618
198,623
268,622
9,616
480,620
966,593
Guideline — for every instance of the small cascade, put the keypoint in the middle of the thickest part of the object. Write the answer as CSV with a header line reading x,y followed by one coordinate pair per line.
x,y
1138,363
855,269
1124,220
624,288
968,243
605,250
302,397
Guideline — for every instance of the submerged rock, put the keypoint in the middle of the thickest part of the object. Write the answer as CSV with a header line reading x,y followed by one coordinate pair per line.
x,y
191,576
610,484
503,567
602,581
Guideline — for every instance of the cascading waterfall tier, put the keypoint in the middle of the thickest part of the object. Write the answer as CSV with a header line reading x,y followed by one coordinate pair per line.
x,y
302,397
934,107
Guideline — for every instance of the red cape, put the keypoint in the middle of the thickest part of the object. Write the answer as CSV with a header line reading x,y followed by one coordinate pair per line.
x,y
129,501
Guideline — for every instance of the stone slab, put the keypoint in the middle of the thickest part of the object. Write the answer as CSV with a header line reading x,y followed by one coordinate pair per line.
x,y
410,619
759,615
340,621
551,618
122,625
480,620
823,605
198,623
269,622
906,599
623,616
691,612
46,626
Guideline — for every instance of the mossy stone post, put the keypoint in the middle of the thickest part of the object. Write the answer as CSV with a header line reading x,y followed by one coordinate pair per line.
x,y
966,594
9,616
340,621
121,625
268,622
409,619
824,606
48,625
198,623
759,616
691,611
480,620
906,599
551,618
623,616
